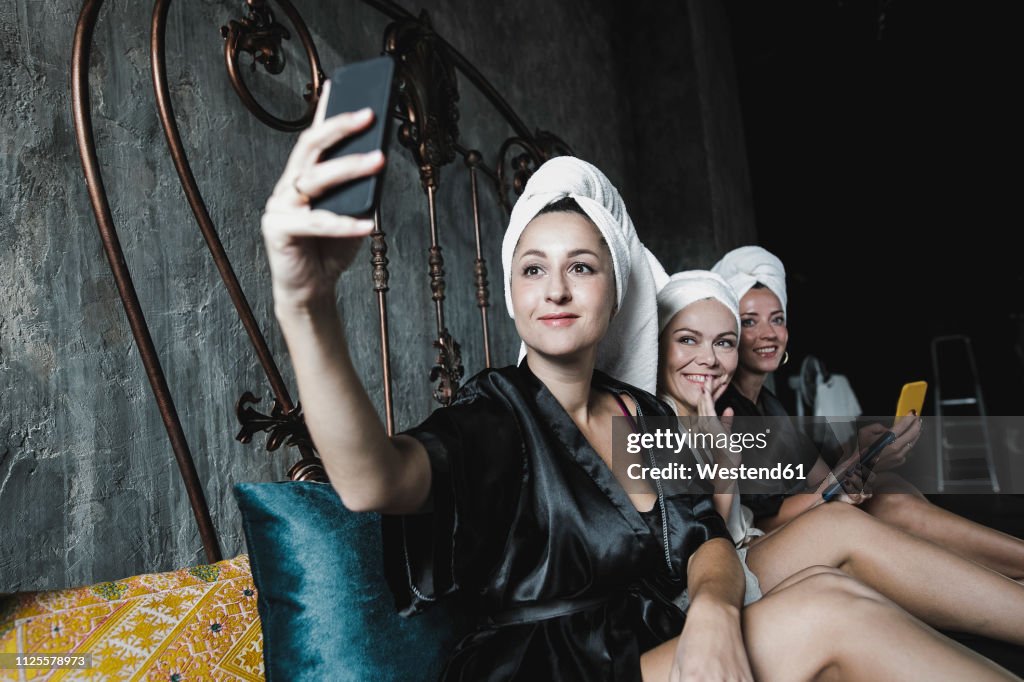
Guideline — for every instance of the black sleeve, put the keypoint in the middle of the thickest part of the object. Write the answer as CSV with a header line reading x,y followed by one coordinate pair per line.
x,y
477,469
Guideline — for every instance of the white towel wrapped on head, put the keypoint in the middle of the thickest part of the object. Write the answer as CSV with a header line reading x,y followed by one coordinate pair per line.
x,y
744,267
690,286
635,324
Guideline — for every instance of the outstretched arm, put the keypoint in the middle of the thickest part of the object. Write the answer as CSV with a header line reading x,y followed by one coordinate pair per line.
x,y
308,250
370,471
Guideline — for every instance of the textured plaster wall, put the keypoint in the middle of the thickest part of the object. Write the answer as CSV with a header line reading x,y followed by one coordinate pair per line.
x,y
89,490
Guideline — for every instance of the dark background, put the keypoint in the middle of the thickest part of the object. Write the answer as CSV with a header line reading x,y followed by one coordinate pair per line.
x,y
879,144
878,138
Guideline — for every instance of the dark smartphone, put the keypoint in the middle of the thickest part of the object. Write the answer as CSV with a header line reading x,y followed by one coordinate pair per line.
x,y
353,87
867,459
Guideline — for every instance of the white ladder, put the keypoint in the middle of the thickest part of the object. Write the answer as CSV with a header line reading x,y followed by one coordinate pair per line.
x,y
963,448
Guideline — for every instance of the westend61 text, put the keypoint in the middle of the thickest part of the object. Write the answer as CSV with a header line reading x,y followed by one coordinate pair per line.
x,y
670,439
714,472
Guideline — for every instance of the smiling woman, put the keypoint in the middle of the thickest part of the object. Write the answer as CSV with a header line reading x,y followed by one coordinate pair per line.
x,y
698,362
764,334
563,282
697,313
597,586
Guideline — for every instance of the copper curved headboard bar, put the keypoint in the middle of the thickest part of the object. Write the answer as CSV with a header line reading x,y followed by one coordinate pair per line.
x,y
285,421
125,287
260,35
379,261
473,161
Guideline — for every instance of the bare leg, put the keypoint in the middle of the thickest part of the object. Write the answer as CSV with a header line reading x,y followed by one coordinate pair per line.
x,y
939,587
819,625
900,504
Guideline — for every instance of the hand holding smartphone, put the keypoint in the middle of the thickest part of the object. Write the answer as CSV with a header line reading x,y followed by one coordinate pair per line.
x,y
308,250
867,459
361,85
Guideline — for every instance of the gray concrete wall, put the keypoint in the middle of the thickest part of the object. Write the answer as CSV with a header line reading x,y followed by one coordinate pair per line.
x,y
88,486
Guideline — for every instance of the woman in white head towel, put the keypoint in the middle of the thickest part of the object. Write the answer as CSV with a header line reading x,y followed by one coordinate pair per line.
x,y
699,316
510,488
759,280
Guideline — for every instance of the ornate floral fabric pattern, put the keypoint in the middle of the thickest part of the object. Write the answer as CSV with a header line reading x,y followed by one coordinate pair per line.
x,y
197,623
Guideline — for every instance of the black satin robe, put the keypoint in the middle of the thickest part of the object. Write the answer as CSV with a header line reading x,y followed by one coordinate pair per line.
x,y
528,519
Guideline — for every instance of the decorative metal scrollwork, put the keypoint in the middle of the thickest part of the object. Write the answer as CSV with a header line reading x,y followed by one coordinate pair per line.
x,y
260,35
535,151
428,95
480,275
308,469
448,371
284,427
379,260
436,263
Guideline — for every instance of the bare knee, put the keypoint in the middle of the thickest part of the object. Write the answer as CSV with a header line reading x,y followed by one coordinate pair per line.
x,y
839,587
812,571
802,631
893,505
889,482
834,516
821,598
803,574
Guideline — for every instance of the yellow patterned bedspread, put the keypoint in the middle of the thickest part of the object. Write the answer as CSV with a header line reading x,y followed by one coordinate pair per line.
x,y
197,623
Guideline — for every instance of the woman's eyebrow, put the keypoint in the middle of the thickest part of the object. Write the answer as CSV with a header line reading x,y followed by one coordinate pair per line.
x,y
687,329
571,254
728,333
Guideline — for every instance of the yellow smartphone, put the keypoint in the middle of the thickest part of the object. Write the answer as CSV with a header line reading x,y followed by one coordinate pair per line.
x,y
911,398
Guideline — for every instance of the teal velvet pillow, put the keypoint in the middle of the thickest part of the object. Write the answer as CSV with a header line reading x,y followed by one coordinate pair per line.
x,y
324,604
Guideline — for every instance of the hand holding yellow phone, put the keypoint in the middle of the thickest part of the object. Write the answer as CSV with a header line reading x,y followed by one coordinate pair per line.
x,y
911,398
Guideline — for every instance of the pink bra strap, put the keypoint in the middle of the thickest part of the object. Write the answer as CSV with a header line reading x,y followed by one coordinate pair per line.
x,y
625,411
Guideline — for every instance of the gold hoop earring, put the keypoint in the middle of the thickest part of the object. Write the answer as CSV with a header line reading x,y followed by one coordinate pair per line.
x,y
785,358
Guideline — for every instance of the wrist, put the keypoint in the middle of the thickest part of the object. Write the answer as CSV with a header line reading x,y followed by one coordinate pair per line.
x,y
704,605
310,321
291,308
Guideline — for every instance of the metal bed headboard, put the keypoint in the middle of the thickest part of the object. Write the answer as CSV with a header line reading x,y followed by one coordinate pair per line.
x,y
427,111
